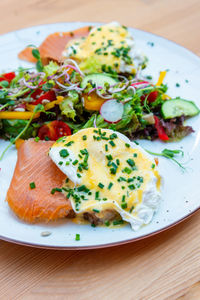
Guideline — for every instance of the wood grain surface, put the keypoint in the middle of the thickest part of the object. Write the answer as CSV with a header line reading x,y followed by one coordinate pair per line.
x,y
166,266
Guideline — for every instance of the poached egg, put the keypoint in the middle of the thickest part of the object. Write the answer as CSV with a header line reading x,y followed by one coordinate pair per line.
x,y
107,172
110,46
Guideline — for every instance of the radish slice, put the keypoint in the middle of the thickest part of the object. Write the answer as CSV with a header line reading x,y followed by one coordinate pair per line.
x,y
112,111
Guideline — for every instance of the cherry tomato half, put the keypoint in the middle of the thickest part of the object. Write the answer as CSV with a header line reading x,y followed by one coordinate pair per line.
x,y
151,97
8,76
54,130
50,95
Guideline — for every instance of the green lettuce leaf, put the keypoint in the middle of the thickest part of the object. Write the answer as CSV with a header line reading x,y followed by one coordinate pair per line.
x,y
67,106
51,68
11,129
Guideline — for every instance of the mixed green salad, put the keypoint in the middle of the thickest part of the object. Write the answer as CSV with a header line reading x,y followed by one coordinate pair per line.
x,y
70,99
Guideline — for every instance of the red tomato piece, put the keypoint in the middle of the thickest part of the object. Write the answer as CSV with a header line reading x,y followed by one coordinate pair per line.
x,y
50,95
160,130
36,93
151,97
54,130
8,76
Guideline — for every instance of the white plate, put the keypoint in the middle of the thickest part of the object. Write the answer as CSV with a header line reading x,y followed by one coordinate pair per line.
x,y
181,189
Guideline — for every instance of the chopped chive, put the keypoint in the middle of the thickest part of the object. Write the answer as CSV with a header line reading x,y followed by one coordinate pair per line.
x,y
114,165
107,223
127,170
101,185
90,193
46,138
117,161
131,187
64,153
123,187
66,180
84,137
105,138
118,222
153,166
93,225
106,147
84,151
127,145
121,179
124,205
110,185
32,185
80,156
112,143
113,171
96,210
130,162
56,190
77,238
109,157
80,168
83,188
97,195
130,179
37,139
140,178
75,162
123,198
60,163
113,136
95,131
67,163
78,175
131,209
109,163
69,143
135,155
104,199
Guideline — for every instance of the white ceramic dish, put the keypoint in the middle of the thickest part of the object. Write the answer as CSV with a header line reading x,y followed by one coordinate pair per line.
x,y
181,189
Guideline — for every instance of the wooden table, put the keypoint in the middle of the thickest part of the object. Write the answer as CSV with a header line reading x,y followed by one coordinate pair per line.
x,y
166,266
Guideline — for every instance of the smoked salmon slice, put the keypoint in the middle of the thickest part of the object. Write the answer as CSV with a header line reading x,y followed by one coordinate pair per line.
x,y
35,166
53,45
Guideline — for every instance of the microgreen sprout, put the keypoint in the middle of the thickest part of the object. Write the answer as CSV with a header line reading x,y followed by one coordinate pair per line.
x,y
170,154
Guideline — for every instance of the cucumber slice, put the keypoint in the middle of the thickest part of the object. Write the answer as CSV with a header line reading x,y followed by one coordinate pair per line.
x,y
98,79
177,107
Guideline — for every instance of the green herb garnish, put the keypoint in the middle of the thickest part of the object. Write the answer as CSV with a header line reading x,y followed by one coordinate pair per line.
x,y
168,153
77,238
64,153
32,185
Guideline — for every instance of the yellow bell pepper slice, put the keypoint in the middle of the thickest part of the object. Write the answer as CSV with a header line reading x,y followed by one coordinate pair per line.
x,y
48,106
161,78
93,102
165,97
18,115
51,104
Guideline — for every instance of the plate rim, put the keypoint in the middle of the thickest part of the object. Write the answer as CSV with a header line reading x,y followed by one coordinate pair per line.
x,y
100,246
